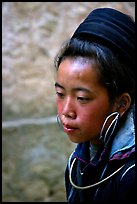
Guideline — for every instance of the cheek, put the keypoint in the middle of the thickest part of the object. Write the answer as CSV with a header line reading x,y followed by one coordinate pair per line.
x,y
93,117
59,106
91,124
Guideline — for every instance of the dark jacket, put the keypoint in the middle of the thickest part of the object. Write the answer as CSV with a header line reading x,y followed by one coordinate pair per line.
x,y
120,186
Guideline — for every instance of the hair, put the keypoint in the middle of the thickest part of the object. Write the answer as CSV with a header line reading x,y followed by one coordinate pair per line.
x,y
115,74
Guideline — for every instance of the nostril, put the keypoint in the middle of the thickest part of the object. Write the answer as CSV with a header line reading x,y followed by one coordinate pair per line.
x,y
71,115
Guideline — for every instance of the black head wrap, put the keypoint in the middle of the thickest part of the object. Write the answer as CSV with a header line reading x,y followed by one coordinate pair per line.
x,y
111,28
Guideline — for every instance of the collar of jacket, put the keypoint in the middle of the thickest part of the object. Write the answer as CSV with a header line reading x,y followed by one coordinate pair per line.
x,y
122,147
124,140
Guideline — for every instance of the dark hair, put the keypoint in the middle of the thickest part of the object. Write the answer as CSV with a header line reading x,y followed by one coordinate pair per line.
x,y
116,75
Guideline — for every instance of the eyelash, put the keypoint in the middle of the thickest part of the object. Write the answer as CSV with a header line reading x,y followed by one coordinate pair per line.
x,y
59,94
79,98
82,99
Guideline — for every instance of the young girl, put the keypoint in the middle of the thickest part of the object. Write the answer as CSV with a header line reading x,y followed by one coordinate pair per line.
x,y
95,88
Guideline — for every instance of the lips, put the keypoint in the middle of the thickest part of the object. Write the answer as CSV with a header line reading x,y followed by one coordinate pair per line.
x,y
69,129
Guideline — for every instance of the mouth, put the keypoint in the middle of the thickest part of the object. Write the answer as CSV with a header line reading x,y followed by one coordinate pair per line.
x,y
69,129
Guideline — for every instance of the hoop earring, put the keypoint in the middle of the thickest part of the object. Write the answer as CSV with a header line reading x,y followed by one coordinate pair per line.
x,y
59,122
94,184
114,121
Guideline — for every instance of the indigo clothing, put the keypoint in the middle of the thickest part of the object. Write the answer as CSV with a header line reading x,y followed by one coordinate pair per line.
x,y
118,188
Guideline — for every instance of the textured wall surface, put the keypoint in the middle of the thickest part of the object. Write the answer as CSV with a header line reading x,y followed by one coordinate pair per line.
x,y
32,33
34,155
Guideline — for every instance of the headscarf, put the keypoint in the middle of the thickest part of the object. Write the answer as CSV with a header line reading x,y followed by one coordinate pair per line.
x,y
111,28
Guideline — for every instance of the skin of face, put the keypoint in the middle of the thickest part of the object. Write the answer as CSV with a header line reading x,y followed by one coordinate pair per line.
x,y
82,102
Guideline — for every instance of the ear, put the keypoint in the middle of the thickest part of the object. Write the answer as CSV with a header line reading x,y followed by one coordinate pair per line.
x,y
123,104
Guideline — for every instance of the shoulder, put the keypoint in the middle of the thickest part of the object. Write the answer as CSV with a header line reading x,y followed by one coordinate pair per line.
x,y
126,182
121,187
128,170
127,175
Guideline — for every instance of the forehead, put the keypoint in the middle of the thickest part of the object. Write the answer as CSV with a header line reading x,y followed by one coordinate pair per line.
x,y
79,69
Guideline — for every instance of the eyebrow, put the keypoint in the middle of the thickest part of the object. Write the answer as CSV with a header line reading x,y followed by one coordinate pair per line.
x,y
74,89
58,85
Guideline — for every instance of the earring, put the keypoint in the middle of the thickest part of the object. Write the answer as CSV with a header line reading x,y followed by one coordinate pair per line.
x,y
59,122
114,121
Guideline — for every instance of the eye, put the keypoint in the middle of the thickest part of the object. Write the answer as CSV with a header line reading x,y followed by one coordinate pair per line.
x,y
59,94
83,99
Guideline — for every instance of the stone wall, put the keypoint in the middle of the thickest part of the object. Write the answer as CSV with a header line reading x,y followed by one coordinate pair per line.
x,y
31,35
34,156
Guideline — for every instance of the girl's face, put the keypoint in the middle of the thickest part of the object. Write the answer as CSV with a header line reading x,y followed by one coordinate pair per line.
x,y
82,103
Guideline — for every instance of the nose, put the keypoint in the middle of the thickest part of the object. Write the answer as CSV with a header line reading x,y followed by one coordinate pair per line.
x,y
69,109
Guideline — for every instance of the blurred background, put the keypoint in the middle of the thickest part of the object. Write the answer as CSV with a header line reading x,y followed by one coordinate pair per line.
x,y
34,149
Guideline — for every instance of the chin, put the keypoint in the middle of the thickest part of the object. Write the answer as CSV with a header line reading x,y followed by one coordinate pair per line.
x,y
76,139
